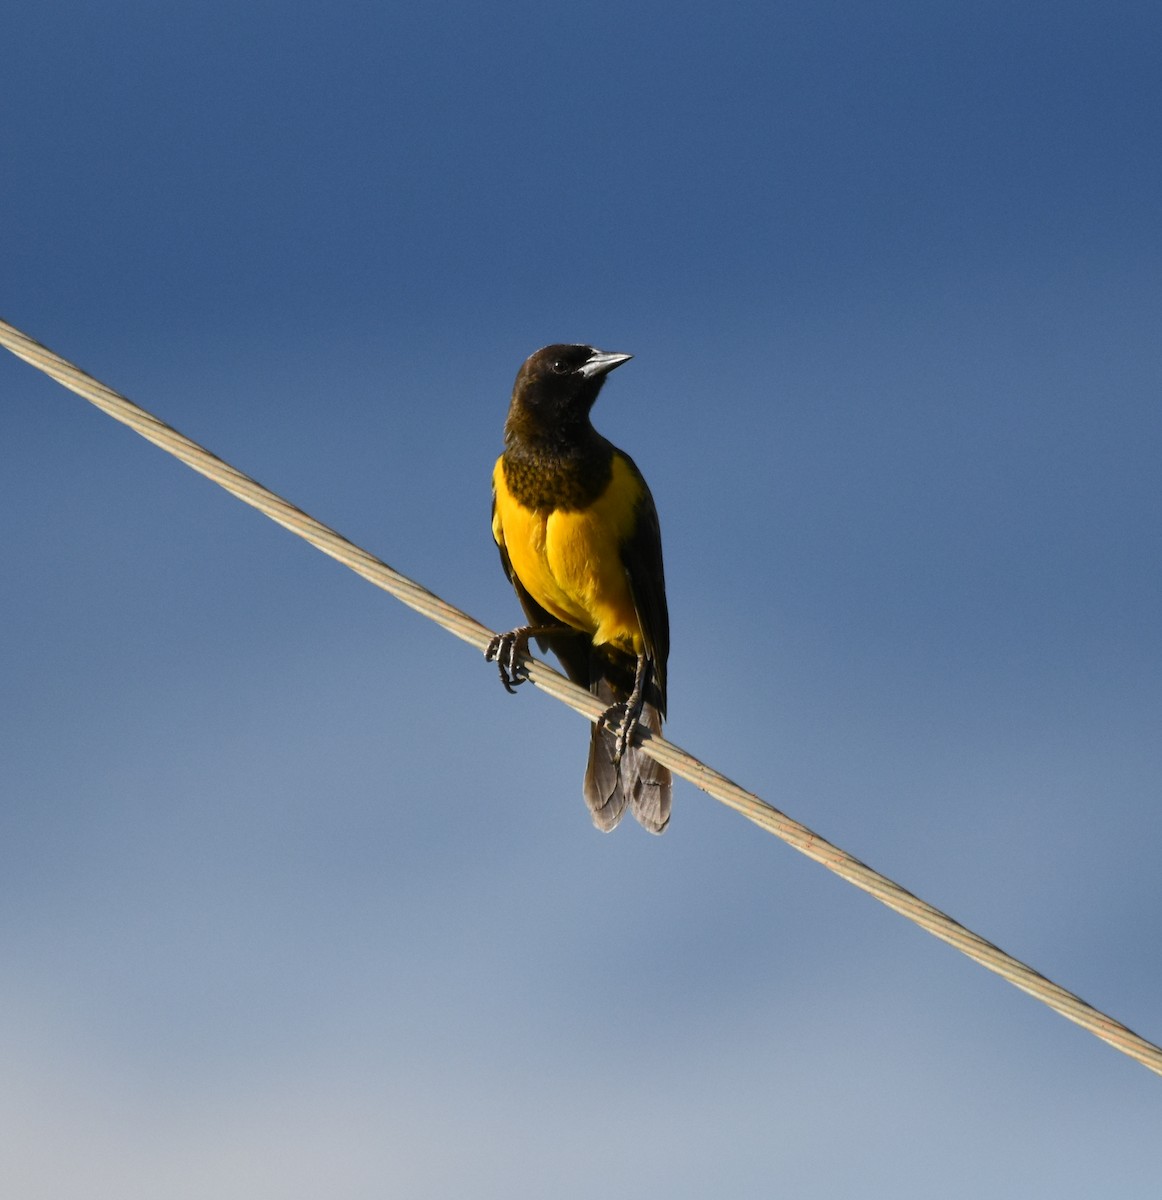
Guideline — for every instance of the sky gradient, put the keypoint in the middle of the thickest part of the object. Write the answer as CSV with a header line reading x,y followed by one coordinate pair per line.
x,y
295,900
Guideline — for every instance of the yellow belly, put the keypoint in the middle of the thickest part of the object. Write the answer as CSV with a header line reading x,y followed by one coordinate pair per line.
x,y
570,562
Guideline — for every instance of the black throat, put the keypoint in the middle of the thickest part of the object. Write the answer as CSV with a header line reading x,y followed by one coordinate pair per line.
x,y
546,476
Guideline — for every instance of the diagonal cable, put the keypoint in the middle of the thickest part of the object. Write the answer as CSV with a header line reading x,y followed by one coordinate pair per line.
x,y
681,763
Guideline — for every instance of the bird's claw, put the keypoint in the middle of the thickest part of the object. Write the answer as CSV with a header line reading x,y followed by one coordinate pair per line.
x,y
624,719
506,650
627,715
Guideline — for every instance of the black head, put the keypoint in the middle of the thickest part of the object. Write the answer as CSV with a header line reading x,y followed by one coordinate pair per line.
x,y
555,389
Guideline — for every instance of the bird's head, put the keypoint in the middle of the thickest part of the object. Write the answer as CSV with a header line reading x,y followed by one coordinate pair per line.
x,y
556,388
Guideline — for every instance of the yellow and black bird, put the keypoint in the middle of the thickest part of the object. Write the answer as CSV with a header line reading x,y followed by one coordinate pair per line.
x,y
579,539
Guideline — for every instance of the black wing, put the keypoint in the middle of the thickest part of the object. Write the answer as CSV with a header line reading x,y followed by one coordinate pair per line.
x,y
641,554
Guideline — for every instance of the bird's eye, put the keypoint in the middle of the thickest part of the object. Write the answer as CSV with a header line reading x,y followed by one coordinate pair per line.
x,y
559,367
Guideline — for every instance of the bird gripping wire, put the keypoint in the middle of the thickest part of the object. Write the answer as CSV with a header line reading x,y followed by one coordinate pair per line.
x,y
681,763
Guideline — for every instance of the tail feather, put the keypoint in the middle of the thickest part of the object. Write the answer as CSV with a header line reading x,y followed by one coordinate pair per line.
x,y
640,783
649,784
603,791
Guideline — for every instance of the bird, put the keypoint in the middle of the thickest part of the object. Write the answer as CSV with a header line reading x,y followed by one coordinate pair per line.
x,y
580,542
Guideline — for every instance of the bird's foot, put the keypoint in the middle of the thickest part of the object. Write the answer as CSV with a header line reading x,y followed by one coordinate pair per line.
x,y
507,649
622,719
625,717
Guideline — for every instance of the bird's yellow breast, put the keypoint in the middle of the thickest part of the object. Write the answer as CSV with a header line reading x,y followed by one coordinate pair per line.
x,y
569,561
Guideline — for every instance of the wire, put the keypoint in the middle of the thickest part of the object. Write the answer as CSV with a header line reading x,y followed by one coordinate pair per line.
x,y
681,763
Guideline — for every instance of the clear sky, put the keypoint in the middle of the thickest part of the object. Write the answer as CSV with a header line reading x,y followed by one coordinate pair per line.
x,y
294,900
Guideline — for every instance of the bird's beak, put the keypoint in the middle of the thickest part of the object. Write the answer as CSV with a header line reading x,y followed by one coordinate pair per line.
x,y
602,363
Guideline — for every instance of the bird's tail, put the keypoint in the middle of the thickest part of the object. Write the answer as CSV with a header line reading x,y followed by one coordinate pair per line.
x,y
637,781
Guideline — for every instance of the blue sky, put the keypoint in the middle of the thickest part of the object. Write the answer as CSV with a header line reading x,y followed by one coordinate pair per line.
x,y
296,901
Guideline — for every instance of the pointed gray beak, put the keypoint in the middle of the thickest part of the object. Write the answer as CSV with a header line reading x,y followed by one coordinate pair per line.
x,y
602,363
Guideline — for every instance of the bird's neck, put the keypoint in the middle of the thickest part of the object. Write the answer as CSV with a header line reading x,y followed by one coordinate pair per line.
x,y
552,473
